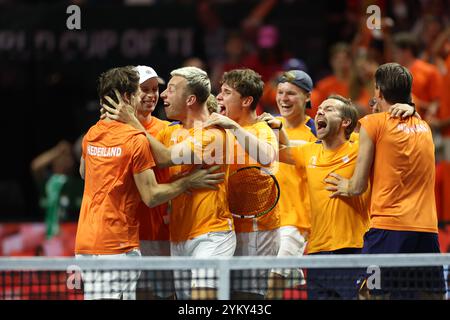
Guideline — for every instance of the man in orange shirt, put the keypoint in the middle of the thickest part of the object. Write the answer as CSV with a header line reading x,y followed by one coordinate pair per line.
x,y
400,153
117,166
153,222
337,227
256,144
293,97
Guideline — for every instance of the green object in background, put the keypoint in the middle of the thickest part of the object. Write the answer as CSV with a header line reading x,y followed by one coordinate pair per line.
x,y
53,212
61,197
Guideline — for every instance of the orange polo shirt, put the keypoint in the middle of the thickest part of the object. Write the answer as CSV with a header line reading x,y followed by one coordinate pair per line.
x,y
403,174
108,224
200,211
270,220
336,223
154,222
294,200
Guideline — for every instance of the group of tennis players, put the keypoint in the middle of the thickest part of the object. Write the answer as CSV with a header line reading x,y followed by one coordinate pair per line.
x,y
159,188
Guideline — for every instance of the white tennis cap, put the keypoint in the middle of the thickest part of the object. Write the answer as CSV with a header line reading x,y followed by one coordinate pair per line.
x,y
146,73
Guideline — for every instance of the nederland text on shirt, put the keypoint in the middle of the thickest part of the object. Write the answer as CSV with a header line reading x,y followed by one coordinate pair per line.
x,y
104,151
417,128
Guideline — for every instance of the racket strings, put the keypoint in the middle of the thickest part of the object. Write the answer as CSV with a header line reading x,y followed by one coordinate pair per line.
x,y
251,192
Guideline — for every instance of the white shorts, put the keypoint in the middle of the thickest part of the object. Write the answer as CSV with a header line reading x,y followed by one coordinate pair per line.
x,y
212,244
258,243
292,244
111,284
160,282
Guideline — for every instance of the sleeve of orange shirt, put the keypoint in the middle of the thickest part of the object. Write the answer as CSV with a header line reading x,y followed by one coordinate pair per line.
x,y
372,124
83,147
266,134
160,136
142,156
298,155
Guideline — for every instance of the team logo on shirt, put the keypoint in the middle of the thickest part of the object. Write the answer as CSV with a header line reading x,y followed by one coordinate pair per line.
x,y
346,159
312,162
412,129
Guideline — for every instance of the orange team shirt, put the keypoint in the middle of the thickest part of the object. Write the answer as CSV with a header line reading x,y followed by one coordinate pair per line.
x,y
339,222
403,174
205,210
154,222
354,137
444,108
241,159
427,82
108,224
294,198
325,87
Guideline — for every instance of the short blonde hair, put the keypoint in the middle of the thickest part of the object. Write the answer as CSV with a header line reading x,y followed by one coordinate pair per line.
x,y
211,104
198,82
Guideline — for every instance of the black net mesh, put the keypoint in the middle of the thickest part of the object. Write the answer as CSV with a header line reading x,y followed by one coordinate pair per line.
x,y
194,283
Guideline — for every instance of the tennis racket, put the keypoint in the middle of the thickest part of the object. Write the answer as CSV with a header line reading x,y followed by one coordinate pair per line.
x,y
252,192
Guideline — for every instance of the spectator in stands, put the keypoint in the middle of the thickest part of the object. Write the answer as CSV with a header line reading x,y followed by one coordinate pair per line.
x,y
432,27
361,82
441,124
336,83
60,188
270,53
194,62
235,51
427,83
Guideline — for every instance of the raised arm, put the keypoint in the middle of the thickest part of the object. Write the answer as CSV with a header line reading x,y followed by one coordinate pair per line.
x,y
163,156
285,144
403,110
46,158
153,194
125,113
266,153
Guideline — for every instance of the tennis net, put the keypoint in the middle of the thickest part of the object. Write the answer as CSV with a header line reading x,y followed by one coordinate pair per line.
x,y
401,276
